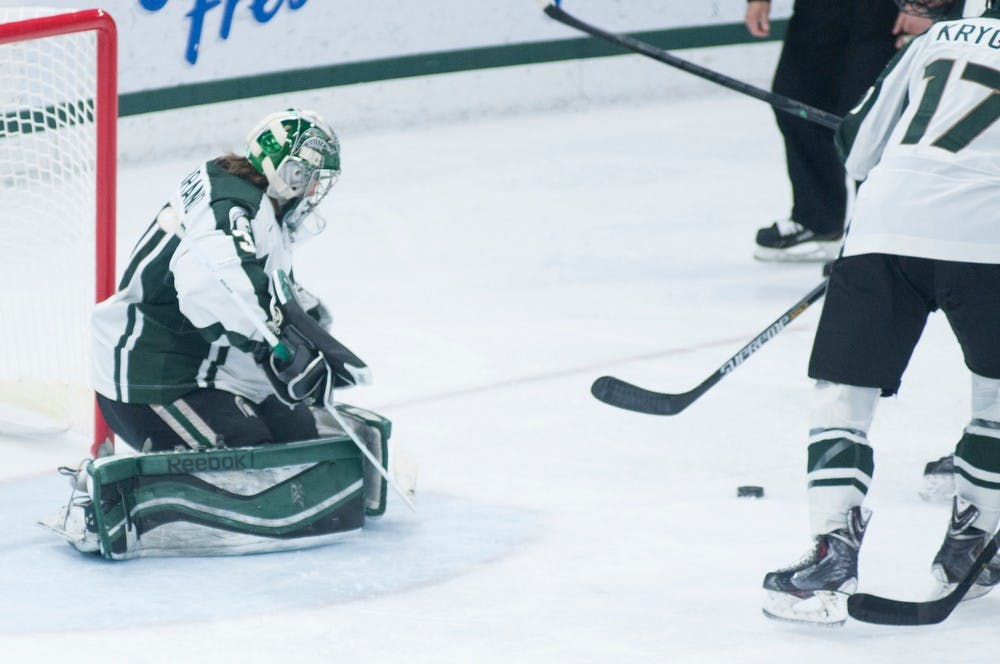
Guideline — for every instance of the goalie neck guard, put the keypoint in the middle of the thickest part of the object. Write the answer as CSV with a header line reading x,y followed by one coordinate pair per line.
x,y
299,154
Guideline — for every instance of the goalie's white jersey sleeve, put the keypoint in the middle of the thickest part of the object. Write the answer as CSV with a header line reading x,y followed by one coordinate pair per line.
x,y
926,143
173,327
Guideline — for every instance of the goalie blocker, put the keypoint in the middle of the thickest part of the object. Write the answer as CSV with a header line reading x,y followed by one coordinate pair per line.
x,y
310,362
228,501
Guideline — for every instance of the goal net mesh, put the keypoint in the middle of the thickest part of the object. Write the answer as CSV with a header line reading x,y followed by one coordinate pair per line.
x,y
47,228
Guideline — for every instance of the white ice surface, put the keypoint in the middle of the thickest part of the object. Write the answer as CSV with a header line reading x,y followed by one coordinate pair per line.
x,y
489,272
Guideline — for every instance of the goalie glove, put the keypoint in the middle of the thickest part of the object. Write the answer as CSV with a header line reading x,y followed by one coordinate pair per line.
x,y
315,354
304,376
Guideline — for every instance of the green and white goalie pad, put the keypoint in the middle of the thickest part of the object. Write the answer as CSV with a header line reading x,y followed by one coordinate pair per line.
x,y
374,431
228,501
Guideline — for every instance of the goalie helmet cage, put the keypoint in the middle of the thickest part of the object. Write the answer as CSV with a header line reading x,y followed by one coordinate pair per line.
x,y
58,152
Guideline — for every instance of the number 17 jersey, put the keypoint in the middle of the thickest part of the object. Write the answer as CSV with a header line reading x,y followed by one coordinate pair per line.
x,y
926,142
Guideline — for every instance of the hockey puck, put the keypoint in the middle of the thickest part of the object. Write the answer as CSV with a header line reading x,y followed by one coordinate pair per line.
x,y
750,492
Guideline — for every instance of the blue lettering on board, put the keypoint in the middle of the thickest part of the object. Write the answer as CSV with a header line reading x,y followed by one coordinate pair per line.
x,y
261,10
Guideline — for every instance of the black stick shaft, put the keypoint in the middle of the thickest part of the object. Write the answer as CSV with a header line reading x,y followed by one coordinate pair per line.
x,y
616,392
885,611
770,332
778,101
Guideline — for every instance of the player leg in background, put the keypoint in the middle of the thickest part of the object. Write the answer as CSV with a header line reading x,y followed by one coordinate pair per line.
x,y
976,504
832,53
968,298
809,70
872,318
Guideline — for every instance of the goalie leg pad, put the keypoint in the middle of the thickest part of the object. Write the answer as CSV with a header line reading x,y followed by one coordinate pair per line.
x,y
374,431
228,501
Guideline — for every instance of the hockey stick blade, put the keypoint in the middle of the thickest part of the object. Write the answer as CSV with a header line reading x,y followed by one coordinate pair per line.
x,y
885,611
616,392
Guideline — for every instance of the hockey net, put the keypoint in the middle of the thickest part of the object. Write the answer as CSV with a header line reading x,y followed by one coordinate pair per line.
x,y
58,112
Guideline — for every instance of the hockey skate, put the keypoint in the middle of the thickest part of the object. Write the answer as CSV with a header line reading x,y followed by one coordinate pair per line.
x,y
75,520
815,589
790,242
939,479
962,544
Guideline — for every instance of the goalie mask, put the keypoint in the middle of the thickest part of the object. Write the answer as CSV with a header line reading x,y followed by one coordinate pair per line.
x,y
299,155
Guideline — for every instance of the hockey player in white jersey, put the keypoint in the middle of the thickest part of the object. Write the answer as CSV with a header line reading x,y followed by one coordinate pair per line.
x,y
924,235
210,354
179,360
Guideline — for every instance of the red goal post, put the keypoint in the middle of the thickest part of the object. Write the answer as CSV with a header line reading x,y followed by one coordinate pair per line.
x,y
27,117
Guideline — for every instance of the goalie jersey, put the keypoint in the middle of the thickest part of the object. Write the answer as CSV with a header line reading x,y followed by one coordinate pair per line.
x,y
172,326
926,143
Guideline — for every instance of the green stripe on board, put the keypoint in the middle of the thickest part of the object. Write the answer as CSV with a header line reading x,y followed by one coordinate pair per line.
x,y
424,64
32,120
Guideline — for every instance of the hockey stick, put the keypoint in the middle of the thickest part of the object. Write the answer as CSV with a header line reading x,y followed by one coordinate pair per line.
x,y
616,392
885,611
170,221
778,101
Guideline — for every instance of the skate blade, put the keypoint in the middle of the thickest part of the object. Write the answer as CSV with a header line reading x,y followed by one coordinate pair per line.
x,y
55,527
78,541
807,252
938,487
825,608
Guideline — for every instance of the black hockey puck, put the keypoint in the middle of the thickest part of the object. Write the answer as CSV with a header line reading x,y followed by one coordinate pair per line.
x,y
750,492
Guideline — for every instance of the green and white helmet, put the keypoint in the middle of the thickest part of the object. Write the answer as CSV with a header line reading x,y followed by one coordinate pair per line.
x,y
299,155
